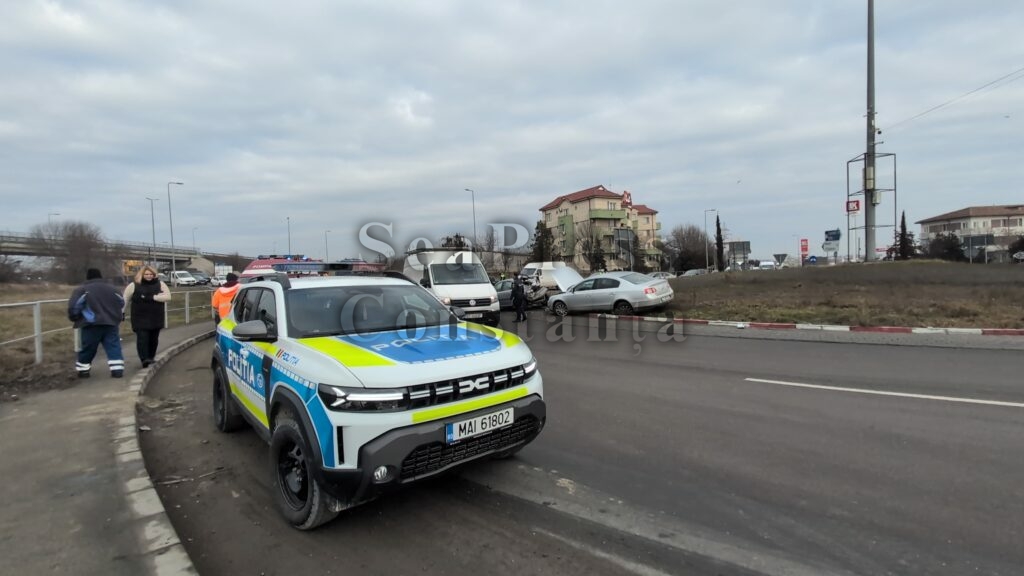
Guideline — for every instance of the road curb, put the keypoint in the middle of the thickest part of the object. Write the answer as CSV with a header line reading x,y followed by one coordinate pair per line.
x,y
823,327
161,549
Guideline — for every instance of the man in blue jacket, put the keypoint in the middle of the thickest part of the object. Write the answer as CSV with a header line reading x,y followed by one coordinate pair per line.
x,y
98,308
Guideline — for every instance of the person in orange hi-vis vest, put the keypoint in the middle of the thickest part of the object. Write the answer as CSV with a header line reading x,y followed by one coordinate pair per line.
x,y
222,297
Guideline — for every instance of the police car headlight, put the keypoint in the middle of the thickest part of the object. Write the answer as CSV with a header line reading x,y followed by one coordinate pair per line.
x,y
446,301
494,299
361,399
529,369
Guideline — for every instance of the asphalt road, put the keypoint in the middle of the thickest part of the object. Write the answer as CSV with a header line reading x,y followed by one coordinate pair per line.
x,y
699,456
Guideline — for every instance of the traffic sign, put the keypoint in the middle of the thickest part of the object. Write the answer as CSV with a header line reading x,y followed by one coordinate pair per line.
x,y
780,259
830,246
852,206
812,259
833,235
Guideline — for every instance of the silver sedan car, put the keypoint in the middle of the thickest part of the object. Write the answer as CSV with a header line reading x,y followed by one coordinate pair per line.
x,y
619,292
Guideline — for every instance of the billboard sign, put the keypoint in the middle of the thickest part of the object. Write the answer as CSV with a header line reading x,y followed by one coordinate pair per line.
x,y
853,206
804,243
833,235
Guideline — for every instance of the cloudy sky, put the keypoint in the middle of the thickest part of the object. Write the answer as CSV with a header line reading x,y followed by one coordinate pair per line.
x,y
333,114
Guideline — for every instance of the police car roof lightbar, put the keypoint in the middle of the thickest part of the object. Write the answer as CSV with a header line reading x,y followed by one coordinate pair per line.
x,y
334,269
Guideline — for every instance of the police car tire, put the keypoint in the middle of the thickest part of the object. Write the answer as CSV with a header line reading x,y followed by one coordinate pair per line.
x,y
319,507
561,309
226,416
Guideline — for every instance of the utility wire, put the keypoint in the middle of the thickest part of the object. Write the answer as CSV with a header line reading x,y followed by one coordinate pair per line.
x,y
961,97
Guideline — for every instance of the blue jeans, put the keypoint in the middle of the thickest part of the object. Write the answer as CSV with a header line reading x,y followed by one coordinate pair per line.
x,y
92,337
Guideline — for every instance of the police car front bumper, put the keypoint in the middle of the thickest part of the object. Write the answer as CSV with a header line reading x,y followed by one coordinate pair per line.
x,y
421,451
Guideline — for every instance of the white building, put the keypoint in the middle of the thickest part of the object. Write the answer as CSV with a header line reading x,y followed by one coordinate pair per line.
x,y
985,230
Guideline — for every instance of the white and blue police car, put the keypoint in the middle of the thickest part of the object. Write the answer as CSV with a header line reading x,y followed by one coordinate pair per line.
x,y
365,383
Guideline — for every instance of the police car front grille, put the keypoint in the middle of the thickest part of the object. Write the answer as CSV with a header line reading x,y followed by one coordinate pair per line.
x,y
430,458
446,391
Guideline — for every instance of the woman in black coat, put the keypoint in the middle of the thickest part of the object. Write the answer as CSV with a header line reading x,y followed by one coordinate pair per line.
x,y
145,297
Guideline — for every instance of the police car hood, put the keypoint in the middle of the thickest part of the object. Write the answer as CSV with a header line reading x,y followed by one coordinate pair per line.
x,y
399,358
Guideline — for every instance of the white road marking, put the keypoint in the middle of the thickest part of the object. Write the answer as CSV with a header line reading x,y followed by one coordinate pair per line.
x,y
885,393
634,567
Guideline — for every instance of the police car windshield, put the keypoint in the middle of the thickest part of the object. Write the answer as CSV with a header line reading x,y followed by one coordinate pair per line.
x,y
338,310
464,273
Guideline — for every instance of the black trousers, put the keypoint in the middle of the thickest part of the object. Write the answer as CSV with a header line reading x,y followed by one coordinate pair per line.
x,y
146,342
520,305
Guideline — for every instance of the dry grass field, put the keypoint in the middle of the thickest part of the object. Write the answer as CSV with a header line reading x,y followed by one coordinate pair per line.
x,y
916,293
19,374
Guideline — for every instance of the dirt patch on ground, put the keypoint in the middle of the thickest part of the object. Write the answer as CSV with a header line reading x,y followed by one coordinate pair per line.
x,y
935,294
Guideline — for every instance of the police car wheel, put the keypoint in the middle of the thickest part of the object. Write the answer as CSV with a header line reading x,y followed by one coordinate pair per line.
x,y
225,412
561,309
299,496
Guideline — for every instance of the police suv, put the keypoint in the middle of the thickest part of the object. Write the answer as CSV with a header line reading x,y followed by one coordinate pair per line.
x,y
365,383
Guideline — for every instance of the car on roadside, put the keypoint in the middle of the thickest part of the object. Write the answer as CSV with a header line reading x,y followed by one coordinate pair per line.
x,y
218,280
362,384
182,278
201,278
661,275
620,292
693,272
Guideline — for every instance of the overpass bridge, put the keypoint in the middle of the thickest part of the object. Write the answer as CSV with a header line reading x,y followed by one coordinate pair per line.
x,y
21,245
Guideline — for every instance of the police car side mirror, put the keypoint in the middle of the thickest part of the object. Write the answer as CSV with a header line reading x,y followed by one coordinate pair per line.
x,y
253,330
425,282
459,312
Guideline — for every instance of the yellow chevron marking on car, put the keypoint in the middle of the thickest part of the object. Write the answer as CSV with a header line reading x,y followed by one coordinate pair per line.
x,y
250,405
468,406
507,338
228,324
266,347
346,353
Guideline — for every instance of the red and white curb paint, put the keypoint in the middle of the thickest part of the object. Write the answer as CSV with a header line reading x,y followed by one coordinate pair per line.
x,y
823,327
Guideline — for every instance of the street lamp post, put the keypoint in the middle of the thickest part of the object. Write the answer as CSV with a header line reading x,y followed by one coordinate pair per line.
x,y
472,196
327,254
49,218
170,216
706,256
152,224
194,228
289,220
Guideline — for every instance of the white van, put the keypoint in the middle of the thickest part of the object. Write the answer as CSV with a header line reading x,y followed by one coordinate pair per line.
x,y
540,273
182,278
457,278
767,265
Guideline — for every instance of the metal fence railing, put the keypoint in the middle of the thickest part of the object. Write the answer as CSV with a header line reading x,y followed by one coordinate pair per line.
x,y
47,318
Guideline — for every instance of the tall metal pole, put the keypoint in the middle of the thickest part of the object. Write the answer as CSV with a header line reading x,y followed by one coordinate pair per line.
x,y
152,223
289,219
472,196
194,228
327,254
170,216
49,218
870,200
707,257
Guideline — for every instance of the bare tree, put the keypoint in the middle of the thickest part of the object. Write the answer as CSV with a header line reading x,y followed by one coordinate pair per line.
x,y
75,247
688,247
588,241
487,248
10,269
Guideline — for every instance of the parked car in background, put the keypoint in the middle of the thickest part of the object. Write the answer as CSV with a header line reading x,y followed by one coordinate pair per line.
x,y
504,289
201,278
662,275
182,278
694,272
218,280
619,292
